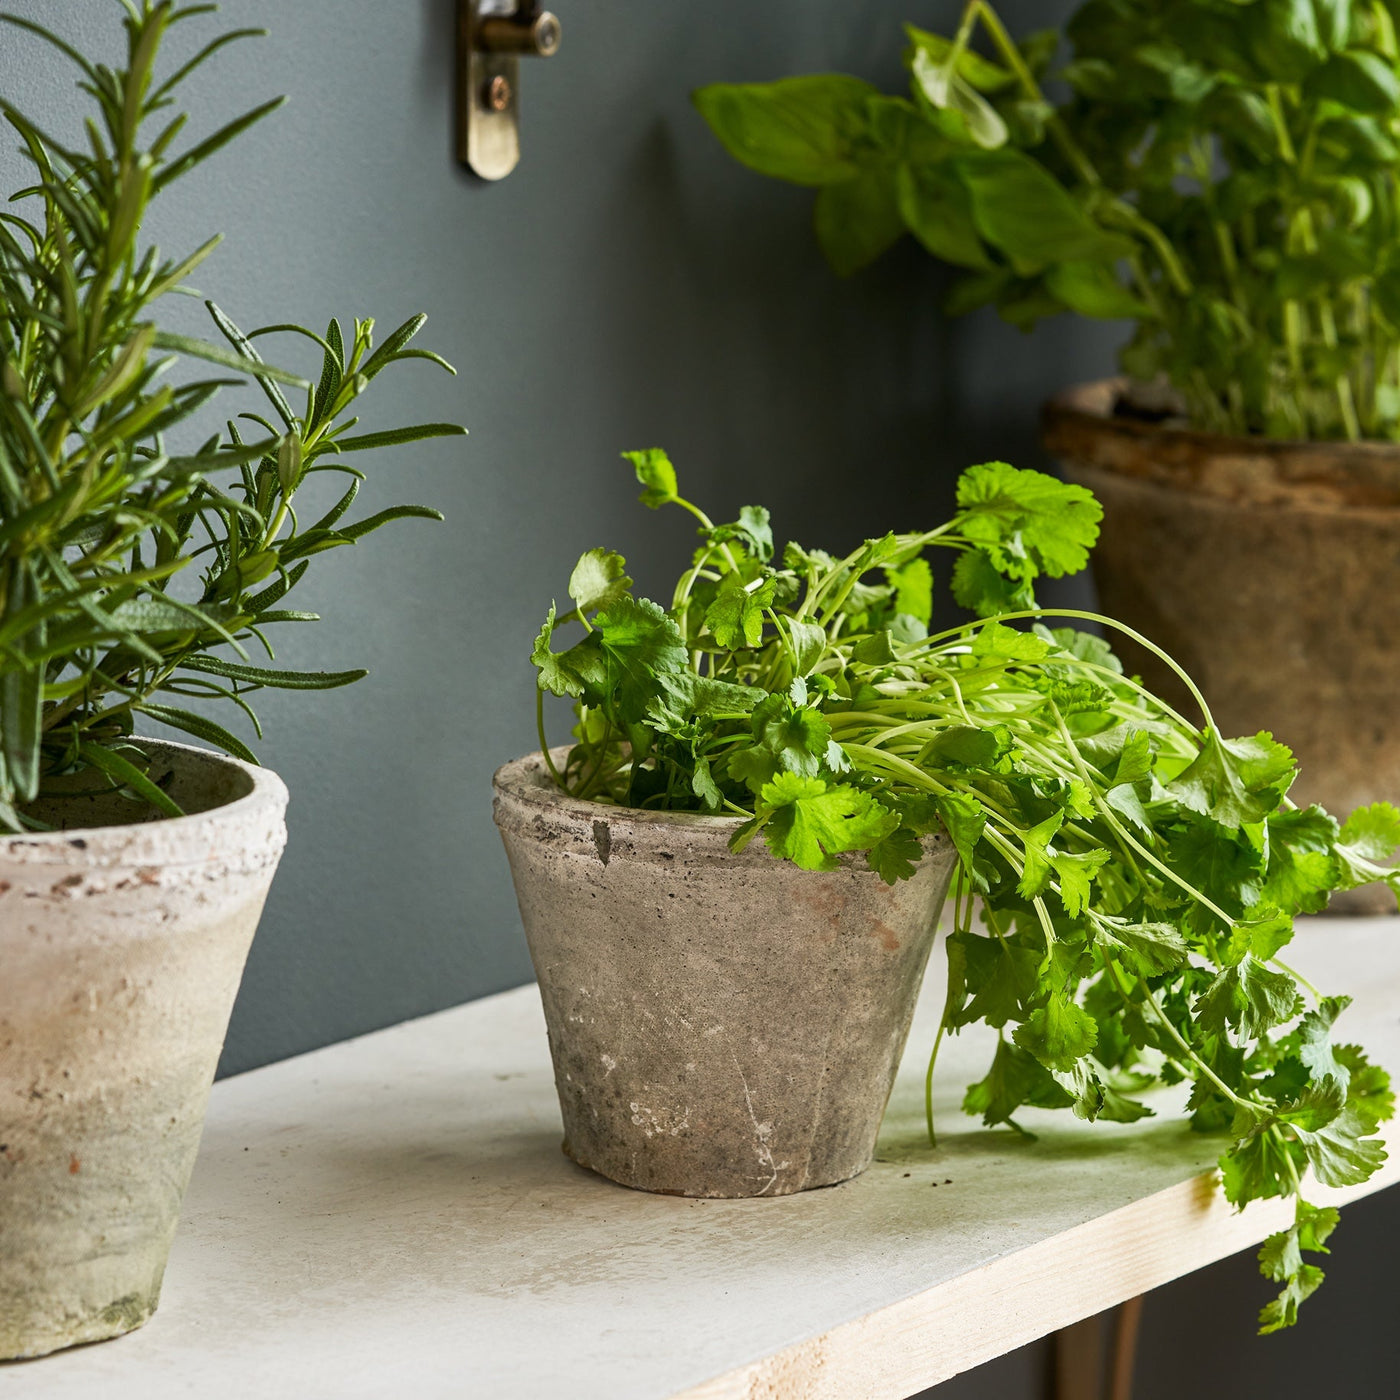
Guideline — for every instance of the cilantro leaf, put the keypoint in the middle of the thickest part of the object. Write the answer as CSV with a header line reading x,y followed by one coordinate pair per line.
x,y
875,650
1015,1078
1235,781
1334,1137
736,616
1259,1165
996,979
640,645
808,644
1281,1259
963,819
754,765
703,785
1247,997
1367,843
1315,1040
969,746
1093,1099
1372,833
1038,870
1369,1094
981,588
1026,521
752,530
683,697
655,472
1302,869
1211,857
598,580
997,639
570,672
895,857
788,738
913,589
810,822
1135,760
1058,1034
1148,949
1125,801
1076,874
1262,936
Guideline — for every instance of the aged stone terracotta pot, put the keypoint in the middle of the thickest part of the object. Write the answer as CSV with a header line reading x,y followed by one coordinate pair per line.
x,y
1269,570
121,949
721,1024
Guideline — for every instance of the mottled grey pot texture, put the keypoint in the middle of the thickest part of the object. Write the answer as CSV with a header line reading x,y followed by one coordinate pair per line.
x,y
1270,571
121,949
721,1024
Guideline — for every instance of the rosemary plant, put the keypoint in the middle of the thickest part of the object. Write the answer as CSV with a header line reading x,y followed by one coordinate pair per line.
x,y
1223,172
100,511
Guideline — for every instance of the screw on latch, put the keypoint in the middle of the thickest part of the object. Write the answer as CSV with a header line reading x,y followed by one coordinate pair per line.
x,y
498,94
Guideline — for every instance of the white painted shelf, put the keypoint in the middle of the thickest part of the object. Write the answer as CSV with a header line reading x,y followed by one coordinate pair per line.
x,y
393,1217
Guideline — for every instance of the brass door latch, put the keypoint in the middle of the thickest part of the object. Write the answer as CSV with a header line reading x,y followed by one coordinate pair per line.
x,y
489,46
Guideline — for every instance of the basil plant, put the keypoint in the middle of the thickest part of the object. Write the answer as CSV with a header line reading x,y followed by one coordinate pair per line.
x,y
1221,172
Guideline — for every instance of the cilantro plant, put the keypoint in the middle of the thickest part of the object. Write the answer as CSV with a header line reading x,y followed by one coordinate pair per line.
x,y
99,510
1138,877
1223,172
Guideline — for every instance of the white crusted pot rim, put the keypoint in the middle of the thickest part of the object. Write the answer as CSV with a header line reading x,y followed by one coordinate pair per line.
x,y
251,818
528,782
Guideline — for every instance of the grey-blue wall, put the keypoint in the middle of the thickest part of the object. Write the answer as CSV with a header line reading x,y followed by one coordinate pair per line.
x,y
627,286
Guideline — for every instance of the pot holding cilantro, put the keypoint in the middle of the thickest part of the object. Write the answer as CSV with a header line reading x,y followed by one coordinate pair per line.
x,y
145,562
1137,876
1224,176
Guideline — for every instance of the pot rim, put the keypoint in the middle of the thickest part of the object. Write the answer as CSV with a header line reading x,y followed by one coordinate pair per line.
x,y
1084,400
526,780
198,838
528,801
1079,427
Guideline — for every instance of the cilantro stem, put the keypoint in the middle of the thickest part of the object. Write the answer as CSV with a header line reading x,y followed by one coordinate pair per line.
x,y
1111,817
962,922
544,741
1163,1020
928,1079
911,773
709,524
1297,977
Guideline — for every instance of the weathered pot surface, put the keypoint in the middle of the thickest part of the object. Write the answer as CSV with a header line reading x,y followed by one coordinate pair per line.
x,y
721,1024
122,947
1269,570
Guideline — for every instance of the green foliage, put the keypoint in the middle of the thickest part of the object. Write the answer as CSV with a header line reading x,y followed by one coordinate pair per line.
x,y
1138,876
99,512
1222,172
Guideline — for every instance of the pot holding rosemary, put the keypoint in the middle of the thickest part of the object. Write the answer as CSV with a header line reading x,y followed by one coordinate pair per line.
x,y
1138,877
1223,176
145,566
